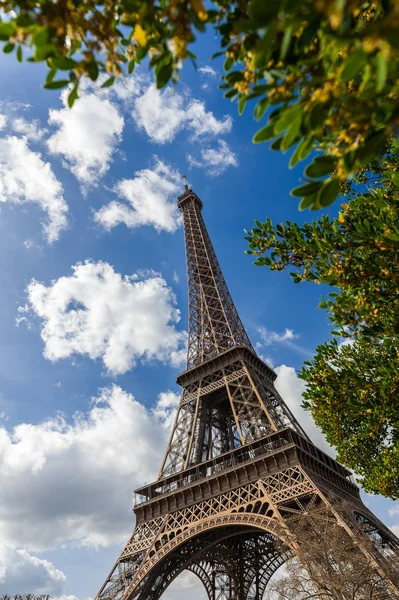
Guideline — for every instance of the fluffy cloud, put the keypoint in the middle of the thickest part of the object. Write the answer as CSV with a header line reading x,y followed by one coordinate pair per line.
x,y
271,337
87,135
22,573
207,71
150,200
3,121
186,585
101,314
26,178
290,387
28,129
215,160
65,482
163,114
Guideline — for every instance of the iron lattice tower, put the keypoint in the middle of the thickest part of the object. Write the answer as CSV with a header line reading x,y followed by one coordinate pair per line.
x,y
239,470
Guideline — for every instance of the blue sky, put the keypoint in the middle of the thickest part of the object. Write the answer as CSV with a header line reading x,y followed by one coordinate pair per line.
x,y
93,303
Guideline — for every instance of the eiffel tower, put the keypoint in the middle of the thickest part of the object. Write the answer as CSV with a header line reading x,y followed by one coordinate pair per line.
x,y
238,469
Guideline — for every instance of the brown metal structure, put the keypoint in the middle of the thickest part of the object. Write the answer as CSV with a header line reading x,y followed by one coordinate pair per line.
x,y
239,470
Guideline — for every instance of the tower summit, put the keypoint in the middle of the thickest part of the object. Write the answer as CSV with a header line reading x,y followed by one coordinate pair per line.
x,y
238,470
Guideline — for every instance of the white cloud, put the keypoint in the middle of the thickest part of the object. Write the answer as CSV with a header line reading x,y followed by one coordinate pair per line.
x,y
163,114
215,160
395,529
207,70
150,200
72,482
271,337
87,135
22,573
166,406
99,313
29,129
26,178
291,388
394,510
3,121
186,585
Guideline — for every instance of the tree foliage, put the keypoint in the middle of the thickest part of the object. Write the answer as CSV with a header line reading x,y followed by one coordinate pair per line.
x,y
356,252
329,67
352,391
330,565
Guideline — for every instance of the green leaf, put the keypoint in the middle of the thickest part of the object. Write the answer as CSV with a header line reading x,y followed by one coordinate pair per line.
x,y
56,85
42,37
73,96
276,145
353,64
305,190
292,133
131,66
322,165
7,48
317,116
64,63
19,54
241,104
307,201
262,12
164,75
264,134
265,45
301,151
45,51
92,70
382,70
261,108
285,44
50,75
228,63
109,82
287,116
7,29
24,21
372,149
328,192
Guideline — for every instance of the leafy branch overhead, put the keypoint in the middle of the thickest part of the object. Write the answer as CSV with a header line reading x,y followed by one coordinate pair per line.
x,y
330,68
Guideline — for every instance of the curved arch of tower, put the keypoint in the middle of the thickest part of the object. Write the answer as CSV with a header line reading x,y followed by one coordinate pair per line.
x,y
239,470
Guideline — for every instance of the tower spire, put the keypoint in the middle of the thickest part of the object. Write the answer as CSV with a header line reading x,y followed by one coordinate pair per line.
x,y
214,323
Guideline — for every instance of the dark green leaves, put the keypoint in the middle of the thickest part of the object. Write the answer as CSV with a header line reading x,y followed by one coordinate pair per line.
x,y
92,70
56,85
328,192
6,30
64,63
382,70
264,134
316,194
353,64
322,165
307,189
164,74
7,48
108,82
73,96
263,12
